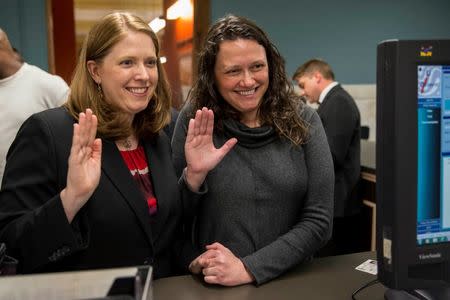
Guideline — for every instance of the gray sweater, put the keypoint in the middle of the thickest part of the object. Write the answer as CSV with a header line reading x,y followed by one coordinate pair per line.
x,y
269,202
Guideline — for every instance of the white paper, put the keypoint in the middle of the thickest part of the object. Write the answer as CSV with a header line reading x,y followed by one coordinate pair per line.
x,y
369,266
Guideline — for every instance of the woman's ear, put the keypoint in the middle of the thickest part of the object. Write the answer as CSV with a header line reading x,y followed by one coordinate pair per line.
x,y
93,70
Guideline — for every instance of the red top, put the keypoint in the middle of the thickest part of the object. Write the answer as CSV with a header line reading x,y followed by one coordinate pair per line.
x,y
138,166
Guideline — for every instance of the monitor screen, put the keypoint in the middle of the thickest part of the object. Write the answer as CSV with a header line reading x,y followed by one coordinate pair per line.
x,y
413,165
433,154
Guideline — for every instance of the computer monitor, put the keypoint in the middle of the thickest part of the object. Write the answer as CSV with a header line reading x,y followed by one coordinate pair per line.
x,y
413,168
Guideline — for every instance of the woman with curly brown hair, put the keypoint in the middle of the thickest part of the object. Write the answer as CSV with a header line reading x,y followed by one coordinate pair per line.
x,y
269,202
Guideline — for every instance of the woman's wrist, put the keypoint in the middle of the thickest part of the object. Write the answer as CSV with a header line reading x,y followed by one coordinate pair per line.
x,y
247,276
67,205
194,180
70,204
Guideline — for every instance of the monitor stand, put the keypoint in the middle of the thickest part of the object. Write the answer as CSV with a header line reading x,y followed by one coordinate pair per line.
x,y
426,294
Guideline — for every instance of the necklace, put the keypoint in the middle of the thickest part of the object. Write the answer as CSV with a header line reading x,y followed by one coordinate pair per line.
x,y
127,143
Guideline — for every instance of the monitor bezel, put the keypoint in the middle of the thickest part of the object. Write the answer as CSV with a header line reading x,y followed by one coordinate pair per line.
x,y
405,253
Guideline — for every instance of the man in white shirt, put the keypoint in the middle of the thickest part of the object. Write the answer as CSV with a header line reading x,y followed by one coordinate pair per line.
x,y
341,120
24,90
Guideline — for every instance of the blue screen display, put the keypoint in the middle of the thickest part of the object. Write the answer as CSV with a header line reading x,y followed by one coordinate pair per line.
x,y
433,161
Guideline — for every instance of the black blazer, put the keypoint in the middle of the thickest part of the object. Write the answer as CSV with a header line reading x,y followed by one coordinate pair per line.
x,y
113,229
341,121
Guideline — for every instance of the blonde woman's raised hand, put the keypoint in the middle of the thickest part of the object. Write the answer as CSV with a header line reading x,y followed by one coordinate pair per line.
x,y
84,168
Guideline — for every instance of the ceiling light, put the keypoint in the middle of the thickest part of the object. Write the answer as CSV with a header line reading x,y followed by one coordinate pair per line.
x,y
157,24
180,9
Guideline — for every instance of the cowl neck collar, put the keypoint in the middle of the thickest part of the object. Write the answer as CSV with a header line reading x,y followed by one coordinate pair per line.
x,y
249,137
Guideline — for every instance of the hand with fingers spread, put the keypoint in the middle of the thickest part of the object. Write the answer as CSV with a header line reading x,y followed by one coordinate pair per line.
x,y
220,266
201,154
84,170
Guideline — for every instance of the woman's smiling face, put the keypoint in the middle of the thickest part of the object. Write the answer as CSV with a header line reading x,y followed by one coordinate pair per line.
x,y
128,74
242,76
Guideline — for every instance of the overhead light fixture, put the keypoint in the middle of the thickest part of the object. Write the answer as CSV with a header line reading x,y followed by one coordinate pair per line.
x,y
180,9
162,59
157,24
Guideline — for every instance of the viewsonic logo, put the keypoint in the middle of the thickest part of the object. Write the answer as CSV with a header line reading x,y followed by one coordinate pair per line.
x,y
426,51
430,256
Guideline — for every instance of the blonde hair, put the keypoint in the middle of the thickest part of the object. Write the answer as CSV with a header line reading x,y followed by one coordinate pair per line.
x,y
112,124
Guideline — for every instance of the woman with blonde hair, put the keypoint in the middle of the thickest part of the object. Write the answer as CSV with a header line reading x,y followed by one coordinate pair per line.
x,y
91,184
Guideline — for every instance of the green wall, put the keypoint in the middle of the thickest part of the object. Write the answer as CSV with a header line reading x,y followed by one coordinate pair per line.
x,y
26,25
343,32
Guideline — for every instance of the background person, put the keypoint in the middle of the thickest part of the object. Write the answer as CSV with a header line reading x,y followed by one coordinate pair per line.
x,y
24,90
268,206
342,122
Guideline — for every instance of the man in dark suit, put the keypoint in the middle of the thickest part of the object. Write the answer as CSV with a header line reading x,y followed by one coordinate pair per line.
x,y
341,121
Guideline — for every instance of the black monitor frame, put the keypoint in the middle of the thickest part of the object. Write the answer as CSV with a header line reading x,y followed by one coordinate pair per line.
x,y
402,263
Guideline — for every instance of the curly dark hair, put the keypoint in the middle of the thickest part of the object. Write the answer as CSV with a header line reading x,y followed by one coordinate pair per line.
x,y
280,105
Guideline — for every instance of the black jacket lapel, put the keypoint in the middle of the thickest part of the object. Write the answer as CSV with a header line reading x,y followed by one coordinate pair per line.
x,y
116,170
157,168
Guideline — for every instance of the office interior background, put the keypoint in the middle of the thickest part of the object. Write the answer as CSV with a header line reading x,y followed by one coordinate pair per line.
x,y
345,33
